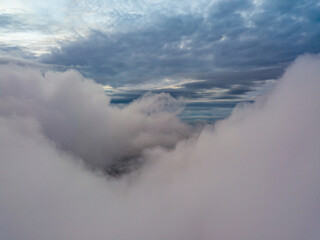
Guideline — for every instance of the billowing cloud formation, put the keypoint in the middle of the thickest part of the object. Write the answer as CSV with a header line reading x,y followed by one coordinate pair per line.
x,y
75,114
254,175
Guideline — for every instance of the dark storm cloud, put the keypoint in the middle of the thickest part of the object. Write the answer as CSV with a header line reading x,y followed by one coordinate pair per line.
x,y
231,35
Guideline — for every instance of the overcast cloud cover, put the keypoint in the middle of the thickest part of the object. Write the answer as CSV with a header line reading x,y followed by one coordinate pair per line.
x,y
214,53
232,35
254,175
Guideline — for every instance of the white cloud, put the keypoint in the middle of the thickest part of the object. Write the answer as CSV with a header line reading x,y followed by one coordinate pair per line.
x,y
75,114
254,175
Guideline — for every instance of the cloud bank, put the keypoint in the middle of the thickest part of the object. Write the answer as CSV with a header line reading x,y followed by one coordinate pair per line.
x,y
75,114
205,44
254,175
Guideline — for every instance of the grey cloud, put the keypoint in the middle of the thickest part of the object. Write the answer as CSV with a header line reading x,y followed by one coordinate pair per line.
x,y
10,21
229,78
230,36
253,175
13,51
234,88
234,85
20,23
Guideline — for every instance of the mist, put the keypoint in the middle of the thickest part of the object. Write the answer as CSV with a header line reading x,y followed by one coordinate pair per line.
x,y
75,114
254,175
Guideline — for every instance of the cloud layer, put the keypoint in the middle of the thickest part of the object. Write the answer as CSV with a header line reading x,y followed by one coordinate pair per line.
x,y
254,175
75,114
234,45
233,35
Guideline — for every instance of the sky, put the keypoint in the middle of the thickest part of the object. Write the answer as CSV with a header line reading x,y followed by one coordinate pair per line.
x,y
214,54
159,120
